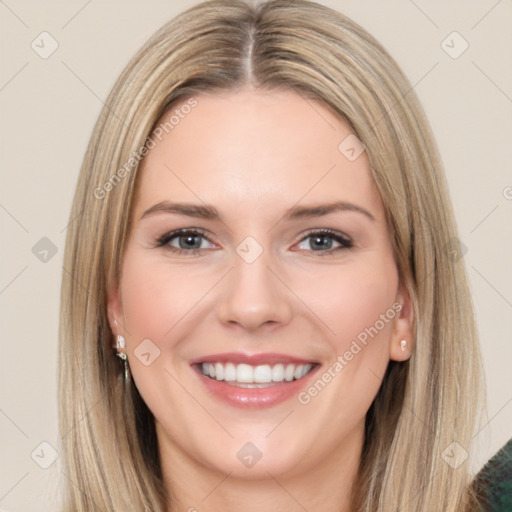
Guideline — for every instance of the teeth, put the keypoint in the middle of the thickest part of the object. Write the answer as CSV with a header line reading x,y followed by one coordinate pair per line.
x,y
252,376
277,372
289,371
229,372
263,373
219,371
244,373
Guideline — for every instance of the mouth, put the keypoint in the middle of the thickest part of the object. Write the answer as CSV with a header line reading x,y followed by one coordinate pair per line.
x,y
258,380
255,377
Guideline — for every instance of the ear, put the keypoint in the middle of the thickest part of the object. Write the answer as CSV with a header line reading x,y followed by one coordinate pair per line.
x,y
114,308
403,327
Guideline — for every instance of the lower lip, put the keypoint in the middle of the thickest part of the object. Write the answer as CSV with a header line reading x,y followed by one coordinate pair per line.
x,y
255,397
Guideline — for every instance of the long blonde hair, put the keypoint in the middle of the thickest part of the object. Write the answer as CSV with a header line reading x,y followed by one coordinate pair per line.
x,y
109,446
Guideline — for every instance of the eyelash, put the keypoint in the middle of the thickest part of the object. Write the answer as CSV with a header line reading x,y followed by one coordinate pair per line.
x,y
163,241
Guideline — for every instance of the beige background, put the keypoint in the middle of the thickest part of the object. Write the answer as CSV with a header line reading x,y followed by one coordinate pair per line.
x,y
48,107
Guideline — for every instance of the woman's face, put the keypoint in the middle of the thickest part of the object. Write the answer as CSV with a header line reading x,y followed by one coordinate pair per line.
x,y
282,286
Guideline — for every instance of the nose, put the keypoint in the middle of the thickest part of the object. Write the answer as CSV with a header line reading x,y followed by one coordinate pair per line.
x,y
254,296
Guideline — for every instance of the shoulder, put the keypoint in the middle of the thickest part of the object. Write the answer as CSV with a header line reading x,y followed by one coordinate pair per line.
x,y
494,481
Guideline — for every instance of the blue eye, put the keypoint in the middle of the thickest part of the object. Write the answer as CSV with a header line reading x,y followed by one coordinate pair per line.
x,y
190,241
322,241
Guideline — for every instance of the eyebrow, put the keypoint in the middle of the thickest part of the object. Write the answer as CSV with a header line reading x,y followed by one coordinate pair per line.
x,y
211,213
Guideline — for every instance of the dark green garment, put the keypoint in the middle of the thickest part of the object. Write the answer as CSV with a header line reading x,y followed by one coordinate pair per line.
x,y
494,481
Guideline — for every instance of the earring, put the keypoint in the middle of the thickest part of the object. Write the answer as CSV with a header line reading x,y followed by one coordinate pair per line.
x,y
403,344
121,344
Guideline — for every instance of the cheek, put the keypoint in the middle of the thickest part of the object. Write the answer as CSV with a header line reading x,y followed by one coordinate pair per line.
x,y
351,301
355,303
359,313
347,300
157,297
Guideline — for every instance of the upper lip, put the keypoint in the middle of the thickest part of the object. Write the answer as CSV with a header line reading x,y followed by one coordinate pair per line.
x,y
252,359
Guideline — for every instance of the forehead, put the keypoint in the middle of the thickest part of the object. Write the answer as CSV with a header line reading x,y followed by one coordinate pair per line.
x,y
255,150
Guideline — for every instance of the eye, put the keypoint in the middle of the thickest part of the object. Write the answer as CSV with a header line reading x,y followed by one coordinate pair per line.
x,y
192,241
189,241
322,241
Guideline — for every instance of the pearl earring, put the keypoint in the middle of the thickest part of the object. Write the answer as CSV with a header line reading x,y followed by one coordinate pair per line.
x,y
403,344
118,345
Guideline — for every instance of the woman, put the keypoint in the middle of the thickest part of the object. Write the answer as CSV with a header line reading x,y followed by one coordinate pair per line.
x,y
262,229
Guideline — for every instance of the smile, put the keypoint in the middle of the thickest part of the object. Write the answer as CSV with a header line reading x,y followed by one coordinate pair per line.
x,y
248,376
253,380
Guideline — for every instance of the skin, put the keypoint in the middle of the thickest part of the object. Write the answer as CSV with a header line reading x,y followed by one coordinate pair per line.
x,y
254,155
